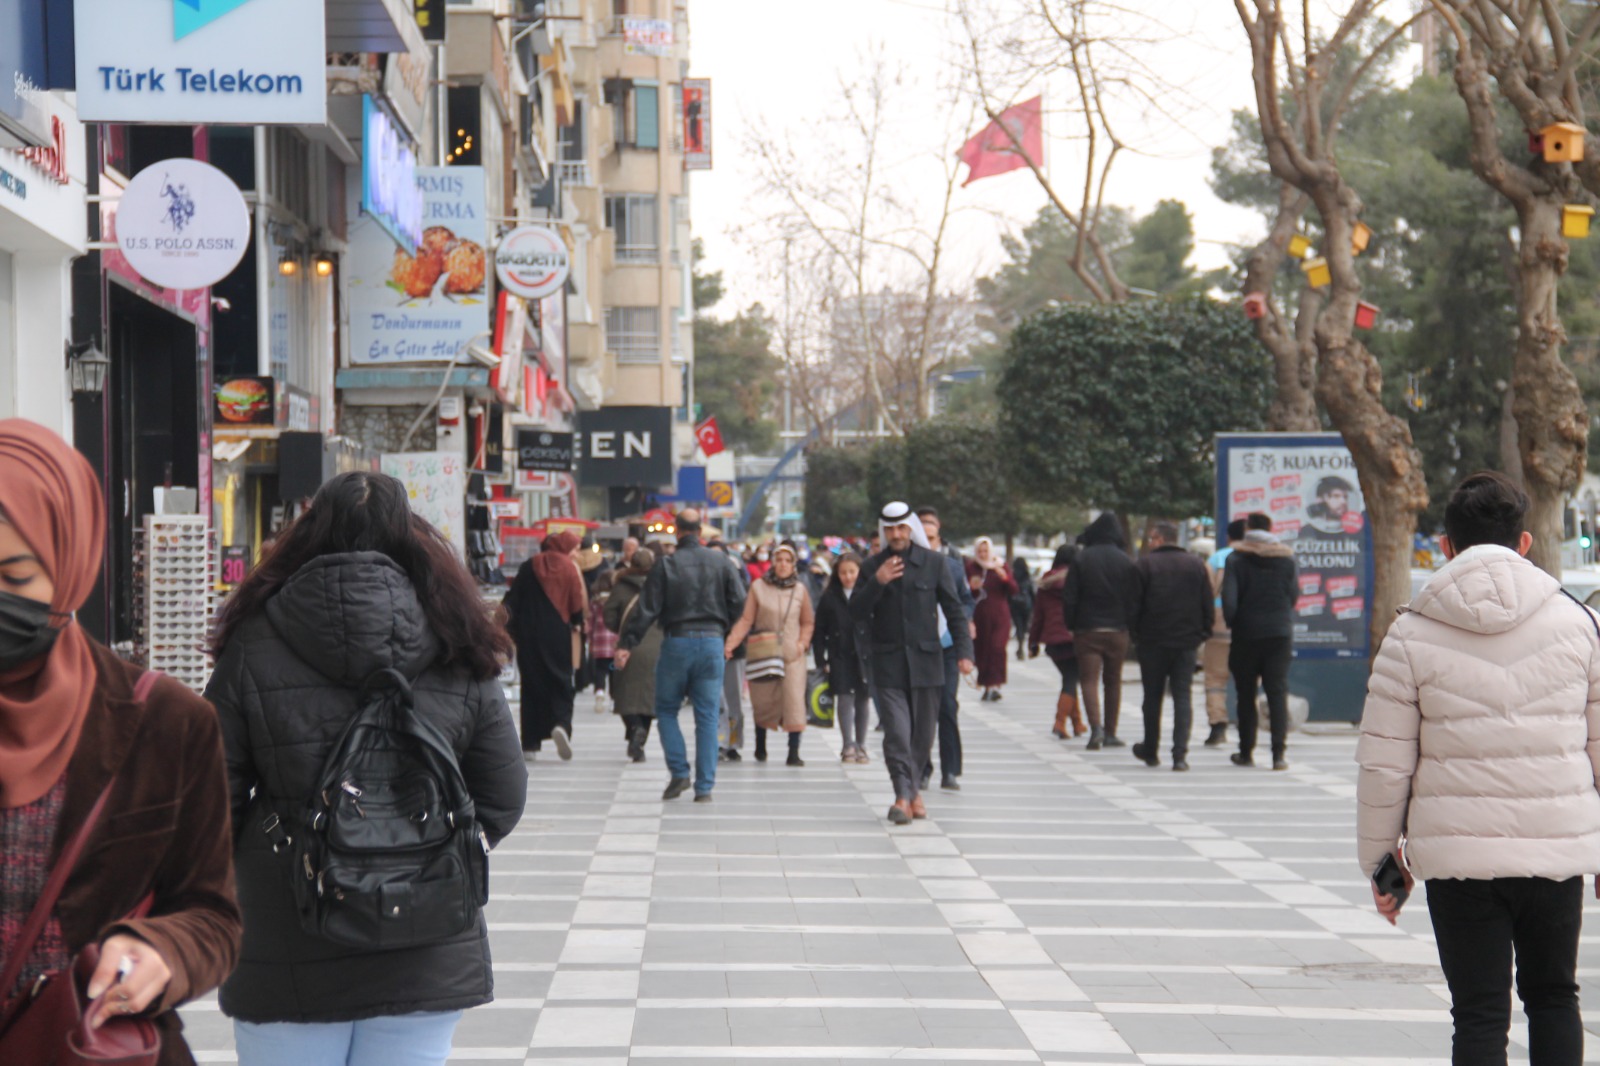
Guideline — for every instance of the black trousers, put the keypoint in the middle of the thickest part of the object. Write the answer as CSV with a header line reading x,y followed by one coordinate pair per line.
x,y
1265,662
949,721
1479,926
1160,669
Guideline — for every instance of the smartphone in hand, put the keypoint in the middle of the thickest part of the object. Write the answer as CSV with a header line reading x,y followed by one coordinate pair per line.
x,y
1391,880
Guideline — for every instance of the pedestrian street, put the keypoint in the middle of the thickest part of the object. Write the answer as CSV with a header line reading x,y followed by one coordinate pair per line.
x,y
1063,907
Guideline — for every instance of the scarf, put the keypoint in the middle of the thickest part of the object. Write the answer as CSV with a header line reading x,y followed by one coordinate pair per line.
x,y
559,576
771,576
52,499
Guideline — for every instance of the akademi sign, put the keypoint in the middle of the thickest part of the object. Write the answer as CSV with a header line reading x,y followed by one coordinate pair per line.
x,y
236,62
531,262
182,224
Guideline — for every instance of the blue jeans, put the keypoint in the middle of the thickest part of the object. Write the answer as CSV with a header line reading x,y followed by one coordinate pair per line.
x,y
690,667
396,1040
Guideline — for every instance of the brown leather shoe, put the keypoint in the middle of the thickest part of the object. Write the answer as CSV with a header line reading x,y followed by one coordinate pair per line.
x,y
917,809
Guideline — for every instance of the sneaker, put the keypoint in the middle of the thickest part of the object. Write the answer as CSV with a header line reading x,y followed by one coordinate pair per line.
x,y
702,797
732,755
1239,758
527,756
1145,755
676,787
1219,735
1279,762
563,743
1180,764
949,783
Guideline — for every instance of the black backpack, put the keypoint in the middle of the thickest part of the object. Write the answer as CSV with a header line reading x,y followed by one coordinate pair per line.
x,y
388,852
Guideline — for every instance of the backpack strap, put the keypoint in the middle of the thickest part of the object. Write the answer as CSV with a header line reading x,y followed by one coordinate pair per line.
x,y
1589,614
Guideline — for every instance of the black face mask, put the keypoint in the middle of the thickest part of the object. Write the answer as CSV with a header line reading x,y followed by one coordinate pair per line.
x,y
25,630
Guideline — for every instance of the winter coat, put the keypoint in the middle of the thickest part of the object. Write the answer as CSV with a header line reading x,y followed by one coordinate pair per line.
x,y
1260,584
694,588
633,688
900,620
1175,602
837,644
1102,590
1048,627
1480,741
164,831
284,690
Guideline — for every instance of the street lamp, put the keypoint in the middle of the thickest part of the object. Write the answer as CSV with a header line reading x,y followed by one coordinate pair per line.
x,y
86,367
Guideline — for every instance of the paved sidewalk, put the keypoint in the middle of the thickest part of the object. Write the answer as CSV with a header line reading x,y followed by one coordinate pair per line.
x,y
1064,907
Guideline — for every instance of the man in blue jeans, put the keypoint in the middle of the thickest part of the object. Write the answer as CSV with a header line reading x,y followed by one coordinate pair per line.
x,y
695,596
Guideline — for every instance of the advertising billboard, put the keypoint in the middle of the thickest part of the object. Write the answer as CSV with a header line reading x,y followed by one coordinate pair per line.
x,y
1307,485
625,447
696,123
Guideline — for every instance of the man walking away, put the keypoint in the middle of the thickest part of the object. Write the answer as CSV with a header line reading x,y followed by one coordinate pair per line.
x,y
730,716
1214,656
949,699
696,597
899,592
1100,600
1478,745
1260,584
1174,619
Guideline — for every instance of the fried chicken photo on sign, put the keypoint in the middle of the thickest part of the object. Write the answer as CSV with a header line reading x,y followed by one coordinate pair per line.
x,y
465,263
417,275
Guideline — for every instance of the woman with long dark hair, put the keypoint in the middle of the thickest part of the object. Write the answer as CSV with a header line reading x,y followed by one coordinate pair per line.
x,y
1049,628
837,648
357,585
545,611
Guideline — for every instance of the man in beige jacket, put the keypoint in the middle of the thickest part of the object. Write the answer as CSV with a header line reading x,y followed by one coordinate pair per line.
x,y
1480,747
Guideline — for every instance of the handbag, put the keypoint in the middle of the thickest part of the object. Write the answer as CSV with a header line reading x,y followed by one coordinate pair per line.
x,y
48,1024
764,650
819,700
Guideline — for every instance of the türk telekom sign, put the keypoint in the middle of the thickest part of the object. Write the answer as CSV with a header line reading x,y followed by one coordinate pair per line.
x,y
235,62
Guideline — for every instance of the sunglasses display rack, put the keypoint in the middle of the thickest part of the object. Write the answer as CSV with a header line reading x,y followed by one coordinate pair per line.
x,y
175,565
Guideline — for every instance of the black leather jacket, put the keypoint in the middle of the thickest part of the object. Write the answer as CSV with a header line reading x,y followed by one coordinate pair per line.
x,y
693,588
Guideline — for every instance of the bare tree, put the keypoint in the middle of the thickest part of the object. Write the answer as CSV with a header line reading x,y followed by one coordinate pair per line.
x,y
1531,53
1291,343
1348,380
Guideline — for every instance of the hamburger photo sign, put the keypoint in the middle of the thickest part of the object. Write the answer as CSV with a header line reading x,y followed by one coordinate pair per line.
x,y
248,401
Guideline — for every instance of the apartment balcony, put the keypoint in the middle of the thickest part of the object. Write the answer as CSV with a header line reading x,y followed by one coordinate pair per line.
x,y
574,173
586,343
588,202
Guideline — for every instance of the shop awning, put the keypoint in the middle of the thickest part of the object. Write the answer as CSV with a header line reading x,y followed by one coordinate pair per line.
x,y
373,26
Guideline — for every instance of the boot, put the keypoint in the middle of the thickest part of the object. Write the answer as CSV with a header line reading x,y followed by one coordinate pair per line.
x,y
1097,738
1060,728
1219,735
761,744
794,750
1076,714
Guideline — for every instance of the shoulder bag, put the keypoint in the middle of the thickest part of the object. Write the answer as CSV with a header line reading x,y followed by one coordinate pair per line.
x,y
764,650
49,1022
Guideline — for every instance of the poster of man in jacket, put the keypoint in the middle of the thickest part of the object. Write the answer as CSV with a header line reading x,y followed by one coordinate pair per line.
x,y
1307,485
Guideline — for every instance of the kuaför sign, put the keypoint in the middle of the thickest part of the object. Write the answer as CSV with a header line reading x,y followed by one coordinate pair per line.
x,y
238,62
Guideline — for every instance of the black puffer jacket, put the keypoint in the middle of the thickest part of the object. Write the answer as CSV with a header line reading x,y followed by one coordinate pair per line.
x,y
284,689
693,587
1175,604
1102,589
1260,584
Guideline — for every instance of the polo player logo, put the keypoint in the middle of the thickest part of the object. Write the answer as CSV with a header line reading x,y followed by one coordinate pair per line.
x,y
180,205
191,15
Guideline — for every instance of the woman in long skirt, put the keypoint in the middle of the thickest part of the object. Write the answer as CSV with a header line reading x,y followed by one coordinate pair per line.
x,y
993,587
545,609
778,603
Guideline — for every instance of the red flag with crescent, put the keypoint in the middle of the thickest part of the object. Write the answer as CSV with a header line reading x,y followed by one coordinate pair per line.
x,y
709,436
994,150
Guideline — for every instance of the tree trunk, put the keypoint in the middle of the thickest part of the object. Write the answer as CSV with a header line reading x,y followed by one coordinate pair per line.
x,y
1552,422
1510,456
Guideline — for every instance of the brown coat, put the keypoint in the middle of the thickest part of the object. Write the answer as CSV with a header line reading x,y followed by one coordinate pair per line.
x,y
166,830
779,704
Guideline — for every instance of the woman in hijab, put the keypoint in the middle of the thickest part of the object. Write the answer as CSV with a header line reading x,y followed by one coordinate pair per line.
x,y
778,603
993,587
545,609
73,730
633,688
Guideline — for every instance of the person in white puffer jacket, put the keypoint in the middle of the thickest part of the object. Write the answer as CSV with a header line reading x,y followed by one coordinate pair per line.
x,y
1480,748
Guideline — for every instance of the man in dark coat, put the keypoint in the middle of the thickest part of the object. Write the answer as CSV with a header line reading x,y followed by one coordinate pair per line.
x,y
901,590
1174,619
1100,602
949,699
1260,585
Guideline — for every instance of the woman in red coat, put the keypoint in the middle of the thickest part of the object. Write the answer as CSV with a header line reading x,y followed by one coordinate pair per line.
x,y
1049,628
993,588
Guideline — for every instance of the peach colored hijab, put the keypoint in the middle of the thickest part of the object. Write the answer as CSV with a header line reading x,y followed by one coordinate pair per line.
x,y
50,495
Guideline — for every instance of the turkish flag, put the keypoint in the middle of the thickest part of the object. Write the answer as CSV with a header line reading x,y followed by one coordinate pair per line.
x,y
710,437
994,151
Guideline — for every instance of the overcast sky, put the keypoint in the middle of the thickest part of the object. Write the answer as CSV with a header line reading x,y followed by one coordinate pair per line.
x,y
777,67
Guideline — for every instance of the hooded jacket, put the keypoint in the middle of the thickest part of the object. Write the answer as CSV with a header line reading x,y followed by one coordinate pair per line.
x,y
1175,608
1480,740
1260,584
1102,588
284,690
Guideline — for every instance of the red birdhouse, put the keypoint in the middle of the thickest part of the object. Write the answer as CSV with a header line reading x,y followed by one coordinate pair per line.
x,y
1536,144
1255,305
1366,315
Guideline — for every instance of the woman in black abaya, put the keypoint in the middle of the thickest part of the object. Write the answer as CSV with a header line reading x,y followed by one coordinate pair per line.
x,y
545,609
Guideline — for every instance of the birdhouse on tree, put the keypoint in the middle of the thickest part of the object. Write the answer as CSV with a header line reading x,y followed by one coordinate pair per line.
x,y
1366,315
1299,245
1360,237
1562,142
1575,220
1317,272
1255,305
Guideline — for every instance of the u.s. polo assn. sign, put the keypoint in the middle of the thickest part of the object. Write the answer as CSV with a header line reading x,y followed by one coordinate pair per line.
x,y
182,224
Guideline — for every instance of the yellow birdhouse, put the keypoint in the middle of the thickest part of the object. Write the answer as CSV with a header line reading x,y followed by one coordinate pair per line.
x,y
1575,220
1317,272
1299,245
1360,237
1563,142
